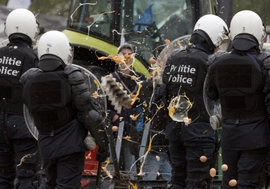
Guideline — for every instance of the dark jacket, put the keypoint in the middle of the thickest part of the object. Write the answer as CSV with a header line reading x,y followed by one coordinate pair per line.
x,y
184,73
17,57
238,79
67,136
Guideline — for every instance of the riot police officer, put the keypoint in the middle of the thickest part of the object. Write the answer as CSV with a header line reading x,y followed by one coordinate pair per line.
x,y
237,79
16,141
63,110
183,78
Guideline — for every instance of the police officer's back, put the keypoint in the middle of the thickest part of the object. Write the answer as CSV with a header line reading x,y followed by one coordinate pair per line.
x,y
240,81
63,110
16,141
183,78
237,79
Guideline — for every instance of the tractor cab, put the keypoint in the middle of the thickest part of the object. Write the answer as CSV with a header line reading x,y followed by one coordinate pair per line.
x,y
97,28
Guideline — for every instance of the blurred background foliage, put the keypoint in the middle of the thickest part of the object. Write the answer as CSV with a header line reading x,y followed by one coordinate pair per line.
x,y
60,7
51,7
261,7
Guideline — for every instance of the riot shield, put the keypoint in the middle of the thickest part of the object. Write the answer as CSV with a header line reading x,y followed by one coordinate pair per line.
x,y
180,105
179,43
213,107
96,92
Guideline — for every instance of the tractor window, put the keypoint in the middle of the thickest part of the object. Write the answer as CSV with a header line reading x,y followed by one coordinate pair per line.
x,y
91,16
168,19
147,24
154,19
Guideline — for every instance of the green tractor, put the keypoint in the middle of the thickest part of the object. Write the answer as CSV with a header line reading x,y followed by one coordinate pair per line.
x,y
97,28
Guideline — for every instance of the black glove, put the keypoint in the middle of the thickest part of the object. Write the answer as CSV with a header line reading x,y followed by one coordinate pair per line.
x,y
102,156
116,122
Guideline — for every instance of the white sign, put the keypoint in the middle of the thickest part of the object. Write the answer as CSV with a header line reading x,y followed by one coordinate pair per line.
x,y
182,73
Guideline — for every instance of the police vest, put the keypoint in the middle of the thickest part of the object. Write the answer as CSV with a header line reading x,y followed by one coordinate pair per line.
x,y
185,73
13,63
240,82
48,98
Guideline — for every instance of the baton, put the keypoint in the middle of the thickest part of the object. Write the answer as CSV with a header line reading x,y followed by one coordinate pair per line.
x,y
98,173
101,148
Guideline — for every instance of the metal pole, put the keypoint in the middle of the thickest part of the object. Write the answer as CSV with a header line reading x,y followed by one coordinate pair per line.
x,y
225,10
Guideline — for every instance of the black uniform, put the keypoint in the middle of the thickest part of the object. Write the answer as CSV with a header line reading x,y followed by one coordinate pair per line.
x,y
16,140
60,103
184,74
238,80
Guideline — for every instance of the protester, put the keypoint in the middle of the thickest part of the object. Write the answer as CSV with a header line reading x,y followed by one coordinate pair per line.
x,y
127,77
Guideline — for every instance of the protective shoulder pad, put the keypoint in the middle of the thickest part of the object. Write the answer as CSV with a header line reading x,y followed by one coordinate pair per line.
x,y
29,74
265,58
70,69
75,75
